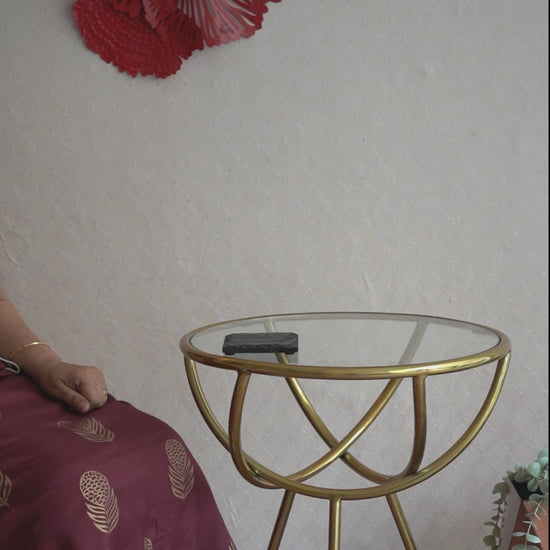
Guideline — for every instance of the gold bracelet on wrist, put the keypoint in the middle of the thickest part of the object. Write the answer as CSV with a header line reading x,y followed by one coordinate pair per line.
x,y
38,343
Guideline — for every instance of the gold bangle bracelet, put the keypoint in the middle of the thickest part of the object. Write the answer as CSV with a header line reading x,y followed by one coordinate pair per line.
x,y
38,343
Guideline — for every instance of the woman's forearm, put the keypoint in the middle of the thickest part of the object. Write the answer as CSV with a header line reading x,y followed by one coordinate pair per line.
x,y
82,387
15,334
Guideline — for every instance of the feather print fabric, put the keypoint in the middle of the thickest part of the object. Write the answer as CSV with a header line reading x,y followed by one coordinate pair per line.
x,y
116,478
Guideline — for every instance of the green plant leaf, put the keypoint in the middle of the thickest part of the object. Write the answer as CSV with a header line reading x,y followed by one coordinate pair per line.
x,y
533,468
533,484
521,477
535,476
532,538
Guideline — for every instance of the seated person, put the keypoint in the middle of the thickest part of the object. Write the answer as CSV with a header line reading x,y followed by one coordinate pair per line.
x,y
80,470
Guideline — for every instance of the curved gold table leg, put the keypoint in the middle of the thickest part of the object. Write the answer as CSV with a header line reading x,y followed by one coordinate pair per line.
x,y
334,524
387,486
280,523
400,521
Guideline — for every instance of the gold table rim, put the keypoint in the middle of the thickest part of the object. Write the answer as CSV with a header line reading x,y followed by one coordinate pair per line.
x,y
343,372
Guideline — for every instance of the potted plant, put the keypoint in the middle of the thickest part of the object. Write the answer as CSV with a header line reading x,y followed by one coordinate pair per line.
x,y
521,526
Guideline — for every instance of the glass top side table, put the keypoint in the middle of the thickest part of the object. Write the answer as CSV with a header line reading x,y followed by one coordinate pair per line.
x,y
348,346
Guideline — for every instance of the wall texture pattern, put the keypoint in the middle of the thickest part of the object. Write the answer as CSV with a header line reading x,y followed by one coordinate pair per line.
x,y
352,155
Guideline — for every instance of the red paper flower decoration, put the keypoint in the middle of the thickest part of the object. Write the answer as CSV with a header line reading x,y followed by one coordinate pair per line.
x,y
152,37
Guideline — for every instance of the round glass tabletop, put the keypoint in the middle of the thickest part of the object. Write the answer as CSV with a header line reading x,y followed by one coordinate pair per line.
x,y
353,345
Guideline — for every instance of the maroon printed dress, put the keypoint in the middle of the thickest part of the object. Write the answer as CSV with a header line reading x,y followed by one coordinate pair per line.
x,y
114,479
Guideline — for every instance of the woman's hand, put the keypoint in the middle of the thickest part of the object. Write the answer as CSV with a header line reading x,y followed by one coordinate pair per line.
x,y
82,387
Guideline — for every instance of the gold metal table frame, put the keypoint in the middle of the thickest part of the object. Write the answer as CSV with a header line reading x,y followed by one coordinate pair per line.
x,y
384,485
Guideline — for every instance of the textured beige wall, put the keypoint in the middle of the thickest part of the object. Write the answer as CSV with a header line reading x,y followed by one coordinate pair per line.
x,y
352,155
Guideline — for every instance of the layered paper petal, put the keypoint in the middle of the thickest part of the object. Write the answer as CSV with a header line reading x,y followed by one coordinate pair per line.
x,y
129,43
220,21
152,37
131,7
174,26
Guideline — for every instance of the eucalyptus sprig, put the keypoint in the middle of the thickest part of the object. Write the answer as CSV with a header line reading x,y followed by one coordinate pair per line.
x,y
535,476
493,540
